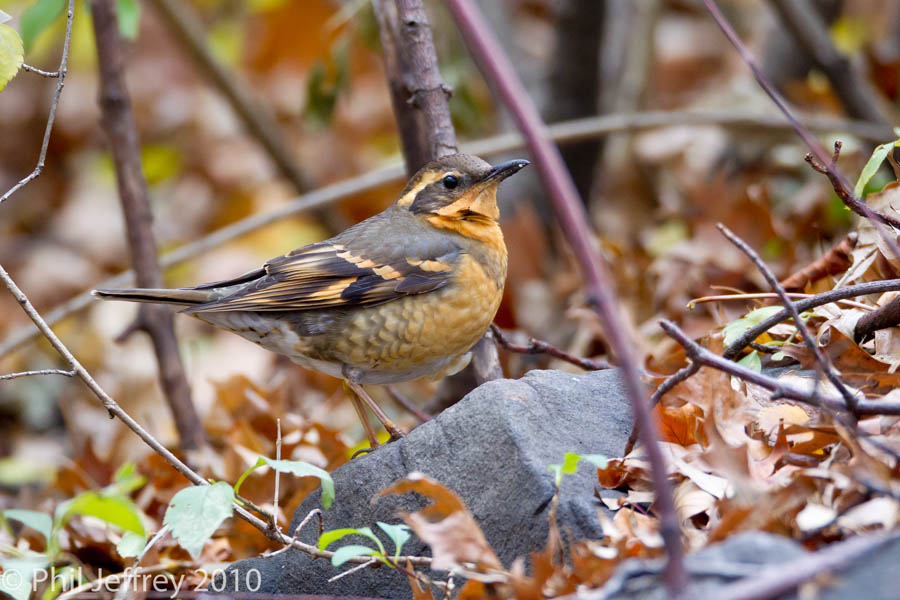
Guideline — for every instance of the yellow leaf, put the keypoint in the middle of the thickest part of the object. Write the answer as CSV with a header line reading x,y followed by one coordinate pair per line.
x,y
11,54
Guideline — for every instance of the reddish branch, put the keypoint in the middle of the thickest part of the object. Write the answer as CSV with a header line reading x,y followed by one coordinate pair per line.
x,y
837,260
573,220
118,122
539,347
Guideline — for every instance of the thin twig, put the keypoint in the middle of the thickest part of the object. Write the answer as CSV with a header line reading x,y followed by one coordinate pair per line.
x,y
850,199
404,402
862,289
808,27
573,220
699,354
121,131
122,592
767,295
277,472
40,372
60,82
50,74
358,567
540,347
565,132
808,339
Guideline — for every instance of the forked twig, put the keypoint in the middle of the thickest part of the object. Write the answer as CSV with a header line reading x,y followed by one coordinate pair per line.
x,y
540,347
808,339
51,116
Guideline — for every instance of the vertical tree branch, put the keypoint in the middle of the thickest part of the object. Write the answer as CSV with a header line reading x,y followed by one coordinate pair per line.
x,y
418,93
573,220
118,123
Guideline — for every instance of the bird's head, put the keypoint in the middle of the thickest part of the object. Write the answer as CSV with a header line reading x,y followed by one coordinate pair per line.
x,y
459,187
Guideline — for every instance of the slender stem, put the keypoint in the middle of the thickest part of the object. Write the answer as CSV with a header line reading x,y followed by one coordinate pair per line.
x,y
40,372
51,117
564,132
573,220
697,353
50,74
539,347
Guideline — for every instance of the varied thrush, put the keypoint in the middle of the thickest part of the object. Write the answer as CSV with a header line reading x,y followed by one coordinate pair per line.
x,y
402,295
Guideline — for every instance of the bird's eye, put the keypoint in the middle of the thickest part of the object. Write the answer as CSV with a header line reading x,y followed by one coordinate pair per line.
x,y
450,182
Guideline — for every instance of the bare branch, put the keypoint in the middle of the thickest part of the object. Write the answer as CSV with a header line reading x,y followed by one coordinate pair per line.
x,y
418,94
50,74
808,339
882,318
863,289
60,82
698,354
572,218
539,347
34,373
809,29
118,122
565,132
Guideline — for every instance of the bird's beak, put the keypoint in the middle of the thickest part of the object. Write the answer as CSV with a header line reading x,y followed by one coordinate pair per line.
x,y
504,170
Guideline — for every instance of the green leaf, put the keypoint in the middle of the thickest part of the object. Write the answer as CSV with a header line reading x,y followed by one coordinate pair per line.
x,y
398,533
126,479
36,520
38,17
196,512
302,469
570,464
18,573
345,553
326,82
11,54
115,510
752,362
129,15
329,537
131,545
736,328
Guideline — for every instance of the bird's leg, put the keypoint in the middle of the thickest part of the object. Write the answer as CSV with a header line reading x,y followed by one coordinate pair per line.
x,y
361,412
392,429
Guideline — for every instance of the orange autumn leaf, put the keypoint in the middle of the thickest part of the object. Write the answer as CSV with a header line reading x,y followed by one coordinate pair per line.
x,y
681,424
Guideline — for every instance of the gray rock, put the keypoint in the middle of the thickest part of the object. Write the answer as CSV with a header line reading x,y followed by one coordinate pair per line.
x,y
493,449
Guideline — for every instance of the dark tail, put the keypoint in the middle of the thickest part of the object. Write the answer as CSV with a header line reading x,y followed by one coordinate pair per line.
x,y
161,296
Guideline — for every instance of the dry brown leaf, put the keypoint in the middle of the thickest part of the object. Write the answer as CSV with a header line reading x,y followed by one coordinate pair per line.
x,y
680,425
447,526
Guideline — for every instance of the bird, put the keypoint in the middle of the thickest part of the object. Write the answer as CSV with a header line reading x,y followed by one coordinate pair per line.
x,y
402,295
